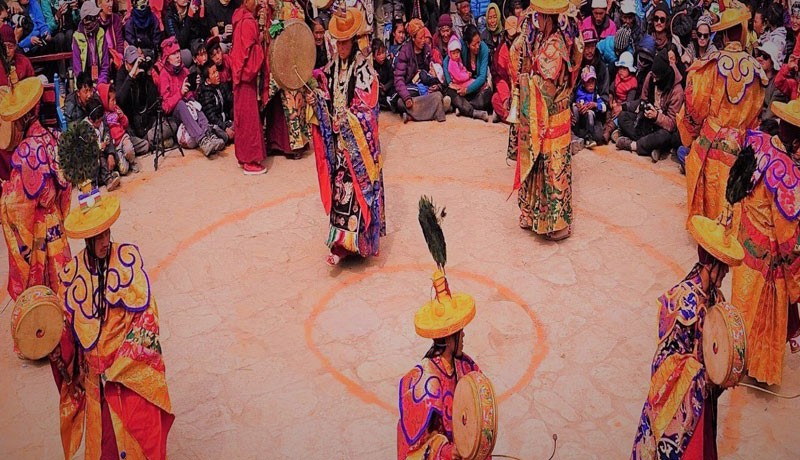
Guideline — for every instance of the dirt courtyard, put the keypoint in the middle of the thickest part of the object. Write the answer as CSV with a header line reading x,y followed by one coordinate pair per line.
x,y
271,354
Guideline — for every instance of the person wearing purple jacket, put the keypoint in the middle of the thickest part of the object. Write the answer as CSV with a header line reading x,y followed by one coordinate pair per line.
x,y
420,96
89,46
111,24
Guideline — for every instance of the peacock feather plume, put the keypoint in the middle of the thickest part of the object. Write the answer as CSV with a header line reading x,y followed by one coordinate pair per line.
x,y
740,180
78,153
430,220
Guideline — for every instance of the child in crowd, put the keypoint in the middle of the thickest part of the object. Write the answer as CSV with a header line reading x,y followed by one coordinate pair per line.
x,y
459,75
107,163
623,89
396,40
117,124
217,103
386,94
587,109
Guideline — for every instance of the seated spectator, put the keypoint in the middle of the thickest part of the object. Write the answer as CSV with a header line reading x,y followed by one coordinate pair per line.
x,y
111,24
479,8
645,53
441,38
476,99
107,163
623,91
588,109
117,124
772,29
219,20
648,126
599,20
217,103
75,104
460,78
184,25
659,26
592,57
501,71
137,96
628,18
199,55
463,17
178,101
323,45
514,8
673,54
142,29
14,66
493,33
611,48
398,38
682,31
701,45
786,81
425,11
767,54
221,60
436,69
35,34
89,47
387,95
420,97
792,43
61,20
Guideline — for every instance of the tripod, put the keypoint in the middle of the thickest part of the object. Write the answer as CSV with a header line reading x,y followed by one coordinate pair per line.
x,y
160,150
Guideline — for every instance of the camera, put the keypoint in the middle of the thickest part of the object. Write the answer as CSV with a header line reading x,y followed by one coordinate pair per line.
x,y
192,79
145,63
643,106
22,22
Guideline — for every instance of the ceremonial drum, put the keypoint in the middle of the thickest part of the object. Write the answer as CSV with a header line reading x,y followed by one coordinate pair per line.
x,y
292,55
37,322
724,345
474,417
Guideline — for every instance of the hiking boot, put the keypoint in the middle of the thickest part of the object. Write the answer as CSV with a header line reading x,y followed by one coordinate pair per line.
x,y
624,143
219,144
481,115
135,168
576,145
253,169
591,144
447,102
113,182
615,135
655,155
207,145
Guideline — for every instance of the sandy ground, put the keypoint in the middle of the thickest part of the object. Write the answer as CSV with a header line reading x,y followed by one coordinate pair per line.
x,y
272,354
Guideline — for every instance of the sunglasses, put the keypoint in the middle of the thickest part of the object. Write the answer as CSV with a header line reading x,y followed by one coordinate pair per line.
x,y
762,55
702,36
661,19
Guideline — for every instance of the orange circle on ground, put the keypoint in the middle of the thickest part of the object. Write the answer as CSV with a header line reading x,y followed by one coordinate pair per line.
x,y
539,346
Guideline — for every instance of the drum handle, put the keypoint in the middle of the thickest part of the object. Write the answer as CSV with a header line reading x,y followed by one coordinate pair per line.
x,y
778,395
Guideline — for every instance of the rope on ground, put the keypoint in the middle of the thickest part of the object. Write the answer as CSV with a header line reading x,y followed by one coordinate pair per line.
x,y
778,395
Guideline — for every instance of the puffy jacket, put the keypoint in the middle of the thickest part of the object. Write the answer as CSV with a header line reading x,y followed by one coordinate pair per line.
x,y
184,30
786,82
40,28
481,71
405,67
478,7
170,85
217,104
669,104
608,29
148,38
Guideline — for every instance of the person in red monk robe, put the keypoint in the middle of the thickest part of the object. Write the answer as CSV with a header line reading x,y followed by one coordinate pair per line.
x,y
14,67
247,58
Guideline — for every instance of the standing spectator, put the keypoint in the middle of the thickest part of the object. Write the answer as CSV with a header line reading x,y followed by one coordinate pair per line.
x,y
75,102
182,22
476,99
394,10
111,24
702,46
142,29
178,100
219,20
501,71
425,11
217,103
412,68
493,33
654,132
137,96
89,46
767,54
247,56
599,20
463,17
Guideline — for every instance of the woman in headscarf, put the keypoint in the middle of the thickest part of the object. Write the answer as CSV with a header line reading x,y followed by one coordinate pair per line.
x,y
492,35
548,64
347,145
474,100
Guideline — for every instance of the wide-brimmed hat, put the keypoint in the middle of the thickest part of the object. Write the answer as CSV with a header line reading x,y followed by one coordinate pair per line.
x,y
16,102
587,73
772,50
89,8
92,218
550,6
626,60
446,314
345,25
787,111
512,26
627,7
731,17
717,240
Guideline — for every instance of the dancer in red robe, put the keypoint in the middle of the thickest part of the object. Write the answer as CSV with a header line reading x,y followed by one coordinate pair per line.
x,y
247,59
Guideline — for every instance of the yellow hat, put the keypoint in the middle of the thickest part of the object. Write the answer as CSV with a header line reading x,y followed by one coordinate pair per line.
x,y
550,6
716,239
346,24
446,314
86,222
787,111
730,17
512,26
20,100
